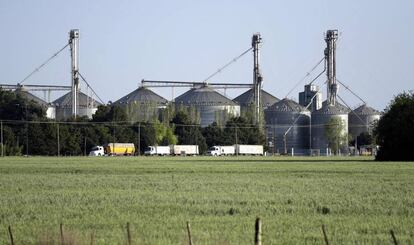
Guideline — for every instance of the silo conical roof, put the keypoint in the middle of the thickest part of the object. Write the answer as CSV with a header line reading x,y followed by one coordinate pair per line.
x,y
336,109
83,100
31,97
287,105
247,98
142,95
203,96
366,111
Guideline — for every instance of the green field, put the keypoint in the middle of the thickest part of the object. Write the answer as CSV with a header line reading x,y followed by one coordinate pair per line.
x,y
357,199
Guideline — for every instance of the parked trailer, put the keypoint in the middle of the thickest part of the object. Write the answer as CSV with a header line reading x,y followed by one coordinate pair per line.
x,y
249,150
179,150
118,149
218,150
157,150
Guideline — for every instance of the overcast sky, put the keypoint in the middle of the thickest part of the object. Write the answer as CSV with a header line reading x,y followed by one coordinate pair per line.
x,y
123,42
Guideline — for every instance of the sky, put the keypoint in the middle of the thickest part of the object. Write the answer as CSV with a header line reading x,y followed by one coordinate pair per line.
x,y
123,42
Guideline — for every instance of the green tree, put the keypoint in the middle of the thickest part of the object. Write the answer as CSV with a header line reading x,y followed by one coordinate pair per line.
x,y
395,132
336,134
240,130
214,135
187,132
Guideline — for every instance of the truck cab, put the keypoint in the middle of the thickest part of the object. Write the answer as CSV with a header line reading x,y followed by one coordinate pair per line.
x,y
97,151
150,150
214,151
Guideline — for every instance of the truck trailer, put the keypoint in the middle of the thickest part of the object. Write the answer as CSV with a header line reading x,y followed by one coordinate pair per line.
x,y
119,149
256,150
183,150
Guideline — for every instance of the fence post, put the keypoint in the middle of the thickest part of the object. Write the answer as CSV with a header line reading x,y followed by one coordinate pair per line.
x,y
190,240
258,232
394,239
62,238
129,234
11,236
2,143
325,237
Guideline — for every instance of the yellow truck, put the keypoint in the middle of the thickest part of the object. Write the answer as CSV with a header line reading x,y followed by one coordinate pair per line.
x,y
119,149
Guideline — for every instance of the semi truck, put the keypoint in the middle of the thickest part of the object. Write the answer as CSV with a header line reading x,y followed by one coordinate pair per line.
x,y
157,151
218,150
113,149
235,150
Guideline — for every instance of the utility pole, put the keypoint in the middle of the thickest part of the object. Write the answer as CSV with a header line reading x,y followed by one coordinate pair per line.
x,y
58,140
257,77
74,51
27,131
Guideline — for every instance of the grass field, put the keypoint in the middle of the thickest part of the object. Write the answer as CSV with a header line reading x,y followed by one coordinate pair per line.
x,y
357,199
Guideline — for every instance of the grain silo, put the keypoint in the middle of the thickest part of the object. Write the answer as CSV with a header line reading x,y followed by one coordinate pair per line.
x,y
246,99
210,105
361,120
86,106
48,107
142,104
288,127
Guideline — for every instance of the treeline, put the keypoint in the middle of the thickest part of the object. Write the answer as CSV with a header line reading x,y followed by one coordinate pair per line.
x,y
26,130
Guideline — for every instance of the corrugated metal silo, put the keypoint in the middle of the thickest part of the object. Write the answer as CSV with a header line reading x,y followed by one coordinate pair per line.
x,y
142,104
48,107
246,99
288,115
87,106
320,118
361,120
209,104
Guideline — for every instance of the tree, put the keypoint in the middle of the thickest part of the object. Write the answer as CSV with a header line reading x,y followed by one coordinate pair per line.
x,y
395,132
239,130
187,132
213,134
336,134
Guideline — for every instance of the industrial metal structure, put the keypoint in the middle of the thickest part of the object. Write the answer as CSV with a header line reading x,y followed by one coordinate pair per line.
x,y
209,105
246,100
142,104
48,107
288,127
86,106
74,51
361,120
257,76
311,95
330,108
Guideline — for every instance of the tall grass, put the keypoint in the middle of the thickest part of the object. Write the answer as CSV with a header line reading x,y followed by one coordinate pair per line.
x,y
358,200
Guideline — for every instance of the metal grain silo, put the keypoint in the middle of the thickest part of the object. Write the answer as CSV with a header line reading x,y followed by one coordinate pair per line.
x,y
48,107
361,120
288,126
210,105
142,104
246,100
86,106
321,118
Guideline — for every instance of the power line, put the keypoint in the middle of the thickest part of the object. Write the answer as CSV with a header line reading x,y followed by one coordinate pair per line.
x,y
90,87
307,74
43,64
226,65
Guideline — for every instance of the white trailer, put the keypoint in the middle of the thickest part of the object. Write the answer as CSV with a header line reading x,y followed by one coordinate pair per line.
x,y
179,150
249,150
157,150
218,150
